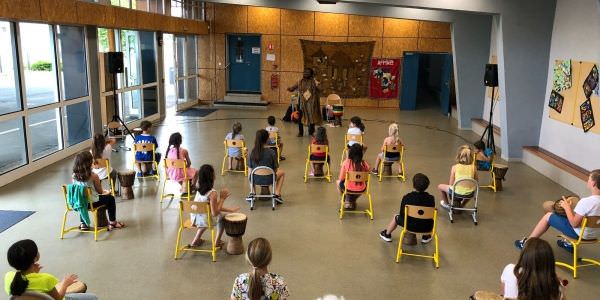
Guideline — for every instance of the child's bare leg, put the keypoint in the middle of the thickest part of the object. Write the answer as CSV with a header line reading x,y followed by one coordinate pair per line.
x,y
443,188
391,226
198,237
230,165
542,226
279,181
377,162
139,167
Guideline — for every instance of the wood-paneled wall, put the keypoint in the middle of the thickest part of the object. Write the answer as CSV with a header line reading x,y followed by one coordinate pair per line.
x,y
283,28
86,13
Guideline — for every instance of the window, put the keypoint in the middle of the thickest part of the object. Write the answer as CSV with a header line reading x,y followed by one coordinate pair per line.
x,y
13,153
76,120
131,105
37,52
44,133
10,98
103,40
150,101
73,65
129,45
148,48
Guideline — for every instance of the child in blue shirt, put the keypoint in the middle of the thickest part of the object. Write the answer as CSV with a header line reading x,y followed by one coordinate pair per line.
x,y
148,138
483,156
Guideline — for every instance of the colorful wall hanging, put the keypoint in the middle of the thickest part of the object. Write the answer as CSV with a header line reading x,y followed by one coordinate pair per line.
x,y
556,101
384,78
587,115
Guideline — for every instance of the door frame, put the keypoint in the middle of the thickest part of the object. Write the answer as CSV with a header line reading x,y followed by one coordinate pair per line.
x,y
227,64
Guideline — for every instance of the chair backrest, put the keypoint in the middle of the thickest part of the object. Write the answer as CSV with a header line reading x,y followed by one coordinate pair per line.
x,y
263,171
113,125
273,135
592,222
234,143
420,212
101,163
392,149
144,147
319,148
192,207
354,137
31,296
334,98
177,164
88,194
467,183
358,176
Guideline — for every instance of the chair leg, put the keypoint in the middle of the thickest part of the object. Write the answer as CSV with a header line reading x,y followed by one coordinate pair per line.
x,y
245,167
402,176
223,164
371,213
162,193
399,252
493,181
436,255
95,225
342,205
306,170
574,261
112,186
328,171
177,242
62,227
213,249
380,170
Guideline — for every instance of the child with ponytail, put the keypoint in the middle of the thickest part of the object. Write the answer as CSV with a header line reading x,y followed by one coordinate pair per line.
x,y
259,284
175,151
392,140
463,169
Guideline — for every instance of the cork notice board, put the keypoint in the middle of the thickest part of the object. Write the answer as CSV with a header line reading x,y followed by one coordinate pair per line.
x,y
569,98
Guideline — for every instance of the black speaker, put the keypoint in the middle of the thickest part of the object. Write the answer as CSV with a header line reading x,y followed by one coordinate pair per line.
x,y
491,75
114,62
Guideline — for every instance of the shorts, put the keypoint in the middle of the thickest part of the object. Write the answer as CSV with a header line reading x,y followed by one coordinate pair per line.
x,y
342,187
450,192
264,179
562,224
321,158
389,158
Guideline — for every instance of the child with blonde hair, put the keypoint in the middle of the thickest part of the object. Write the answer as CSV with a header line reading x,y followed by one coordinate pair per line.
x,y
463,169
393,139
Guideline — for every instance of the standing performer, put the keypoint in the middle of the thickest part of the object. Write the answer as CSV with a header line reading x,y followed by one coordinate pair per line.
x,y
310,94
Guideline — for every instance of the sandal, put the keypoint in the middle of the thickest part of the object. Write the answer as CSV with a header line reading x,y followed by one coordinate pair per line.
x,y
196,245
219,243
116,225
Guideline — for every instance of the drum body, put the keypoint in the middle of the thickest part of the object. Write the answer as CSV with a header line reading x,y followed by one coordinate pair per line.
x,y
126,178
500,172
338,110
235,227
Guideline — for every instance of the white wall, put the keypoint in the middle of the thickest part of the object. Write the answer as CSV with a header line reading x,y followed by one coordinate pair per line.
x,y
485,114
576,35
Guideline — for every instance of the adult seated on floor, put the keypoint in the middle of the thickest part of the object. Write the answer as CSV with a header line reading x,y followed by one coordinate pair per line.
x,y
570,224
263,156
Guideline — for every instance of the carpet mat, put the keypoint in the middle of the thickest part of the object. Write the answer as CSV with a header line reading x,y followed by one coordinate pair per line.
x,y
196,112
8,218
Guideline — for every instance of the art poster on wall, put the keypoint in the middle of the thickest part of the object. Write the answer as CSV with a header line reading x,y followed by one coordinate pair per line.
x,y
562,78
556,101
587,115
383,78
591,82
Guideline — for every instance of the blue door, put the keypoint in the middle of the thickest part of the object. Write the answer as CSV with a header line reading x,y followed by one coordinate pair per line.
x,y
410,80
244,63
445,84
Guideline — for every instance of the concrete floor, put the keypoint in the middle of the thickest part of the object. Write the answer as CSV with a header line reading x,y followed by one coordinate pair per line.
x,y
315,252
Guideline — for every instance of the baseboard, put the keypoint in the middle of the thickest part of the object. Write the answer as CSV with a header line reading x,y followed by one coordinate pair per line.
x,y
558,175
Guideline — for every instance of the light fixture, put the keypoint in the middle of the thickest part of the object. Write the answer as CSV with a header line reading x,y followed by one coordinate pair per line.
x,y
327,1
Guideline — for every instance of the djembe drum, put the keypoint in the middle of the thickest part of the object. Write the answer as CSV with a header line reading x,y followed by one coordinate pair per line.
x,y
126,179
338,112
235,227
318,169
554,205
500,172
387,168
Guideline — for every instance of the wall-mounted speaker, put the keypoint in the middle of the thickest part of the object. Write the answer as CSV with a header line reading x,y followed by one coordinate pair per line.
x,y
491,75
114,62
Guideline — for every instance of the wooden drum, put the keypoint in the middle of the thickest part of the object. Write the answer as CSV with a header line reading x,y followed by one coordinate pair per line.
x,y
235,227
500,172
387,168
126,179
338,110
318,169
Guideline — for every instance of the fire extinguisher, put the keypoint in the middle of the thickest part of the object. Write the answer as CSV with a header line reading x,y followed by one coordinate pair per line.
x,y
274,81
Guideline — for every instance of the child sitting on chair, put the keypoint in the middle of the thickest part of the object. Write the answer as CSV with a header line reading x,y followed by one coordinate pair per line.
x,y
102,149
320,138
146,138
463,169
273,128
354,163
392,140
483,156
175,174
419,197
233,152
207,193
356,127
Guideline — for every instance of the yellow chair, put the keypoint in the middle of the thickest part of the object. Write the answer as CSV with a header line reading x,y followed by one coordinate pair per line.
x,y
274,136
178,164
185,222
492,184
235,144
347,138
312,148
392,149
93,209
423,213
587,222
146,147
353,176
98,162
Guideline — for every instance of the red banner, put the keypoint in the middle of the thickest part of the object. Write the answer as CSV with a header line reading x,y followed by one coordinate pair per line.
x,y
384,78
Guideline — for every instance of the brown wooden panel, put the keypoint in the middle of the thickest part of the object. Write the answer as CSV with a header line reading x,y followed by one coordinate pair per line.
x,y
365,26
24,9
147,21
330,38
231,18
64,11
220,59
125,18
268,93
206,51
400,28
264,20
206,81
435,45
296,22
275,41
389,103
361,102
394,47
91,14
377,49
286,80
221,85
328,24
434,29
291,53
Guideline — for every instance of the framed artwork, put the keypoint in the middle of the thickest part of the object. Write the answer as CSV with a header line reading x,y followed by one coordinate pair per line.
x,y
587,116
556,101
562,78
591,82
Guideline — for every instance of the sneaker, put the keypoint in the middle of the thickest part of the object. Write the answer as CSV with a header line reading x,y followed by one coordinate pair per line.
x,y
139,174
445,204
152,172
426,239
385,236
520,243
282,157
278,199
374,171
565,245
